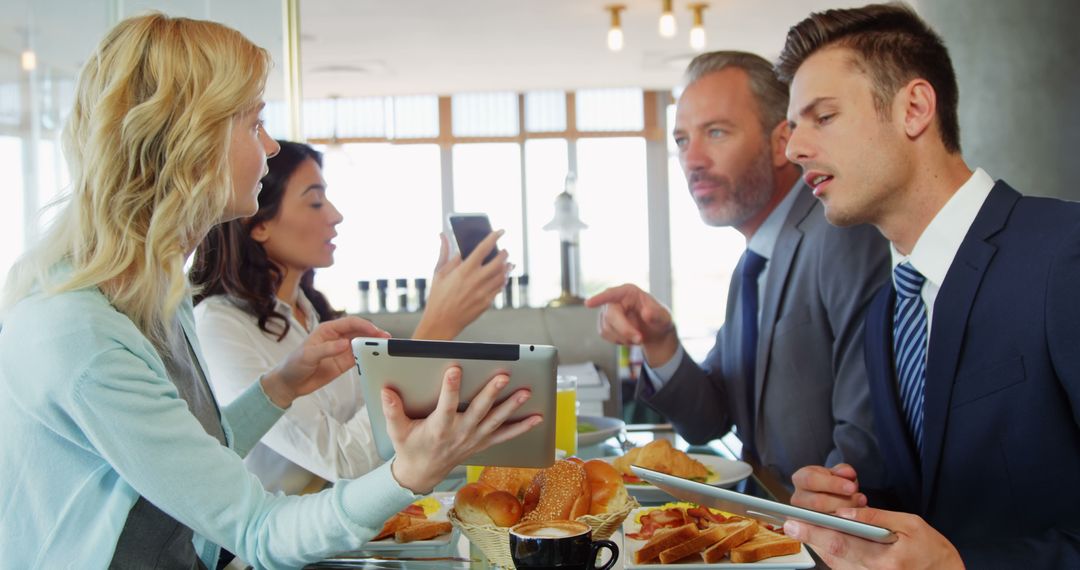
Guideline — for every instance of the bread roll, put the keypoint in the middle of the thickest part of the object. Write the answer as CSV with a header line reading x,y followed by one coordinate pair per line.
x,y
481,504
513,480
564,493
502,508
606,488
469,503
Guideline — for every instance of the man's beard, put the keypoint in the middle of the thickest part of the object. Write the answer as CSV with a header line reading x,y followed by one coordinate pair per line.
x,y
743,200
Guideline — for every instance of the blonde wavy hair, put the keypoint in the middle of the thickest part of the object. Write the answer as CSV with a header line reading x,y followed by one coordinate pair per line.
x,y
147,144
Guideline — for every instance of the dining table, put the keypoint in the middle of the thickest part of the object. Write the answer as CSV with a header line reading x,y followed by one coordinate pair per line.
x,y
460,554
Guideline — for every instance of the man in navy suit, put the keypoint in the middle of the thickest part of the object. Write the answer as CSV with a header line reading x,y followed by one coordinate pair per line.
x,y
973,351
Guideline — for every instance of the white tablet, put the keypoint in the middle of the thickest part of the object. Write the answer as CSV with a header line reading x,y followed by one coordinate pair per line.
x,y
414,368
718,498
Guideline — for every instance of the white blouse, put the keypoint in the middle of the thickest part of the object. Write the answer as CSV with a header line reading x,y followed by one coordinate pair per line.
x,y
326,433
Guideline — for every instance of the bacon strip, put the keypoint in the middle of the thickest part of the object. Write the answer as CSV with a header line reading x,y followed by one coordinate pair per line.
x,y
657,519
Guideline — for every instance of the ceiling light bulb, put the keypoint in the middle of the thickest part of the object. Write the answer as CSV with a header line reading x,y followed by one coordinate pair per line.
x,y
667,21
615,35
697,33
28,60
615,39
697,38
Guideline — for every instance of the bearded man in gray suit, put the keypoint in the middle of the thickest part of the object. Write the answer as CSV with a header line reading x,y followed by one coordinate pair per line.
x,y
787,369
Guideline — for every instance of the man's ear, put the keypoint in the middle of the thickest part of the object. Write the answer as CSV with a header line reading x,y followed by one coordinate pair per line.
x,y
778,140
260,232
916,103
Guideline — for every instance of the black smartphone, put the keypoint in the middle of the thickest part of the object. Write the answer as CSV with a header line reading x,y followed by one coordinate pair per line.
x,y
469,230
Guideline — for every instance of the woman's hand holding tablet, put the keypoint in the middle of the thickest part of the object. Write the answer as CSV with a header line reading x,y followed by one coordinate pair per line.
x,y
428,448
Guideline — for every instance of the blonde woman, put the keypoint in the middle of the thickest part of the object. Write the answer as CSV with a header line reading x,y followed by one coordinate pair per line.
x,y
115,452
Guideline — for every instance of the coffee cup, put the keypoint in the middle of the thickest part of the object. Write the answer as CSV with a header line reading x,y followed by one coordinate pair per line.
x,y
563,545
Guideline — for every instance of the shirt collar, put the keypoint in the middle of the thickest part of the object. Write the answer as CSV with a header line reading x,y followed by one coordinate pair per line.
x,y
763,242
305,305
937,246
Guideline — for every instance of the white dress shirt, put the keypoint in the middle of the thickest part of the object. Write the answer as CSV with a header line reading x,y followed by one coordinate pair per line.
x,y
763,243
326,433
936,248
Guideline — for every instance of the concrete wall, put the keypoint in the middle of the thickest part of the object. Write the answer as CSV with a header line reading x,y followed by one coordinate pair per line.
x,y
1018,65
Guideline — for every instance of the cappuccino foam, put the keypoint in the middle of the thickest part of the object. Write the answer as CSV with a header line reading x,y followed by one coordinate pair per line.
x,y
551,532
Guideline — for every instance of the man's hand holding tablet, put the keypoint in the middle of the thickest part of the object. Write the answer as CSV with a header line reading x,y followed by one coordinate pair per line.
x,y
718,498
836,490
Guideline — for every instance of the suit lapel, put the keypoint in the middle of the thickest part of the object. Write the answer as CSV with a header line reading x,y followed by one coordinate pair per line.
x,y
951,311
779,268
893,437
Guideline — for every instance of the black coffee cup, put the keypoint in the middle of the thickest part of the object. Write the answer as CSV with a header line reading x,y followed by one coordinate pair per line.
x,y
562,545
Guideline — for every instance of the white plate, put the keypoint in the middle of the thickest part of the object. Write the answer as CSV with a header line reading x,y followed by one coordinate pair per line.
x,y
725,473
629,546
446,501
605,428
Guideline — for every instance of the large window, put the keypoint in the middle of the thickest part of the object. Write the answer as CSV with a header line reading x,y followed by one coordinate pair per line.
x,y
487,178
546,166
389,197
504,154
611,195
11,215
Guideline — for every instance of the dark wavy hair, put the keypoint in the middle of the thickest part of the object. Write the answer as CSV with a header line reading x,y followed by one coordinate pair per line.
x,y
230,262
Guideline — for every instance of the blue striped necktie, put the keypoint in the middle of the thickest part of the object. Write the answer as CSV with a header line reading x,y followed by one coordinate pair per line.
x,y
752,266
909,346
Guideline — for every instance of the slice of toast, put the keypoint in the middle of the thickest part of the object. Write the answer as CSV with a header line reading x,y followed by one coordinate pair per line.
x,y
703,540
765,544
392,525
422,530
664,540
737,531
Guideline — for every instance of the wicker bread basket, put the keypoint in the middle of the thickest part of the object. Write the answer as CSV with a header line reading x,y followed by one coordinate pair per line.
x,y
494,541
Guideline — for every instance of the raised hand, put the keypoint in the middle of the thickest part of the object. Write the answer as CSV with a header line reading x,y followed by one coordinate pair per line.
x,y
632,316
462,290
325,355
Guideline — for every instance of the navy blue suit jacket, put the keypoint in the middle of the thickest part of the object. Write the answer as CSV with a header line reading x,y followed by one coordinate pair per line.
x,y
1000,474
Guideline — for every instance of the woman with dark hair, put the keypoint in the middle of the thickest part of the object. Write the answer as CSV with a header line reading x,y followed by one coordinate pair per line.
x,y
257,302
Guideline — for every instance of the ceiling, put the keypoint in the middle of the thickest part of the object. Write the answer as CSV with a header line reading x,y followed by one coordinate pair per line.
x,y
440,46
386,47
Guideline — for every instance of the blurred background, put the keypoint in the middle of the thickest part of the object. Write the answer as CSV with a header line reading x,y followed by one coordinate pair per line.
x,y
424,107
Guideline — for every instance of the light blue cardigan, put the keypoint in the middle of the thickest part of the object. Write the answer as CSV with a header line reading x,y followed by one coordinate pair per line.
x,y
91,422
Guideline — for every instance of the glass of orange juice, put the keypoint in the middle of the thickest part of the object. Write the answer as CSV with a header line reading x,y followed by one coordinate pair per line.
x,y
566,415
472,473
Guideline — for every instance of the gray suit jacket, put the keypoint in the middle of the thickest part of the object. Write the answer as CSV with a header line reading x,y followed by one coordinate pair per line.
x,y
810,393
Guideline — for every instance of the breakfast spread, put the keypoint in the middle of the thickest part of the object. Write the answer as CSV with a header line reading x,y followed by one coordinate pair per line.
x,y
680,531
569,489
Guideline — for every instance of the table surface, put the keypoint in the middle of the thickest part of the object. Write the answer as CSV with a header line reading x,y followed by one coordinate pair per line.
x,y
461,555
